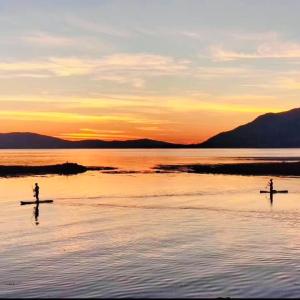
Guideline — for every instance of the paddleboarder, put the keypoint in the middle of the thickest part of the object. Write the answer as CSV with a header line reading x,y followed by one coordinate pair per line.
x,y
271,185
36,191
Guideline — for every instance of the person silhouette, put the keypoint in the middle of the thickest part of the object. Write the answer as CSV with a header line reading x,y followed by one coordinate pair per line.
x,y
36,191
271,185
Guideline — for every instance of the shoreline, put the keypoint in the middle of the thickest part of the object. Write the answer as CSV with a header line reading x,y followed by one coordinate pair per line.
x,y
57,169
248,169
252,169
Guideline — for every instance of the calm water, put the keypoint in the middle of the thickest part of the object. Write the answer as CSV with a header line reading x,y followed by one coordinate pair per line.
x,y
146,234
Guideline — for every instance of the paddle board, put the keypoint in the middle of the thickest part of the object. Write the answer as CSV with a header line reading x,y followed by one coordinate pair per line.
x,y
34,202
274,192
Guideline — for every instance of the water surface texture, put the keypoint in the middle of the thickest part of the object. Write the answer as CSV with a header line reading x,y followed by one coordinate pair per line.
x,y
146,234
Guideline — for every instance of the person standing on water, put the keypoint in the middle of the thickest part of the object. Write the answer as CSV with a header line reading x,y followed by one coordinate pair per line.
x,y
271,185
36,191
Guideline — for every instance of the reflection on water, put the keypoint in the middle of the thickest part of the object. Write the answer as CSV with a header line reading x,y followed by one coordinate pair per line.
x,y
141,159
271,199
36,213
149,235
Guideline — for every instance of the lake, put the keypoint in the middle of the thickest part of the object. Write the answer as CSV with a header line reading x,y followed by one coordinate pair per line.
x,y
146,234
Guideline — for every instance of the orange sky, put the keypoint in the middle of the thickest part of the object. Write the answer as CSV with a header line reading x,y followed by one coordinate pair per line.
x,y
180,121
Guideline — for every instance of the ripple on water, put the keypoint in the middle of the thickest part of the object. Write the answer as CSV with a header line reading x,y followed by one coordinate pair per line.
x,y
153,243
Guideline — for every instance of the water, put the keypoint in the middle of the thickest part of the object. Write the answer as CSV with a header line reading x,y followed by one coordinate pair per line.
x,y
147,234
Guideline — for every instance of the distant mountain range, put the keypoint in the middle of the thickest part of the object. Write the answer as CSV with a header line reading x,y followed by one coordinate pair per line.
x,y
28,140
272,130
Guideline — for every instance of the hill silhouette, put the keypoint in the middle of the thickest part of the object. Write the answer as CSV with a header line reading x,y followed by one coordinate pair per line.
x,y
28,140
271,130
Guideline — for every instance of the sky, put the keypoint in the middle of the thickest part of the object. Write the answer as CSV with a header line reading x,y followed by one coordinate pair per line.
x,y
172,70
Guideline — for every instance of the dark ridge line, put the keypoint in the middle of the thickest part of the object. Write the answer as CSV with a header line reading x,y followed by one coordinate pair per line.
x,y
252,169
30,140
58,169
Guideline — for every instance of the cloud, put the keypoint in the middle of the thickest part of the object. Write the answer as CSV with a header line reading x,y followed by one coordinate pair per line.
x,y
219,72
48,40
72,66
227,106
122,79
49,67
119,68
276,50
288,83
143,62
104,136
87,133
97,27
82,116
261,36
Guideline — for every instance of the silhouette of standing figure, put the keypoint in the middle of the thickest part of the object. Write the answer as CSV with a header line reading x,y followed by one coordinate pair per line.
x,y
37,192
271,186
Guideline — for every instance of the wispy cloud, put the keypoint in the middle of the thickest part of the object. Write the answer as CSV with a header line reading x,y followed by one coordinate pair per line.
x,y
288,83
97,27
106,134
254,36
143,62
221,72
119,68
59,116
263,51
72,66
49,40
196,105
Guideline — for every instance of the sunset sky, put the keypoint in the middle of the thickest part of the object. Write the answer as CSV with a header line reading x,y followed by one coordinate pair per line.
x,y
178,71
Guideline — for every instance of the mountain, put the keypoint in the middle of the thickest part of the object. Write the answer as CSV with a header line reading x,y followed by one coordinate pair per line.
x,y
140,143
28,140
25,140
271,130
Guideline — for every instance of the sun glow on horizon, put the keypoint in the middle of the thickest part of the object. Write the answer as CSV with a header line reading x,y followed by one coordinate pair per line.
x,y
162,118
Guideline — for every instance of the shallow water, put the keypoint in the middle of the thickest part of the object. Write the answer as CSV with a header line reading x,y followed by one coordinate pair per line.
x,y
147,234
142,159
